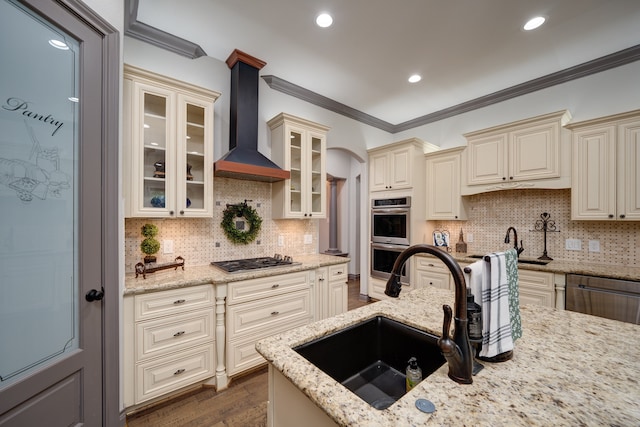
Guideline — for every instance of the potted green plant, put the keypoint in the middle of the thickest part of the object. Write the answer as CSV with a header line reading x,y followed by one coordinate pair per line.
x,y
149,245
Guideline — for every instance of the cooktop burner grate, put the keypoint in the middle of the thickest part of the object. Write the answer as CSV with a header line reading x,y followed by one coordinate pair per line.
x,y
239,265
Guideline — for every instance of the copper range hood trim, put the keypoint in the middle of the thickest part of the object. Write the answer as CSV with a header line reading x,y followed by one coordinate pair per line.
x,y
244,161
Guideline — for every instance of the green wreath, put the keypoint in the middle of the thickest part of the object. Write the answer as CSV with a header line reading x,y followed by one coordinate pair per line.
x,y
229,225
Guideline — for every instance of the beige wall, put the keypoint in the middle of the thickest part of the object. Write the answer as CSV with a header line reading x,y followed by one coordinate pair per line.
x,y
490,214
200,241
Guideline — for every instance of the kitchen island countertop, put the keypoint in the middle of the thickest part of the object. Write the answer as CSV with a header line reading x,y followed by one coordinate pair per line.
x,y
568,369
208,274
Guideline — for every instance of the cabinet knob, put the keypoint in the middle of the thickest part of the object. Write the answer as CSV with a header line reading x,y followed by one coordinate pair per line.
x,y
510,177
622,216
456,217
310,214
181,212
305,214
504,178
610,215
171,213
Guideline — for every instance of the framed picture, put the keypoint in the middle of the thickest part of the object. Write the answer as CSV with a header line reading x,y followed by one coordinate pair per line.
x,y
441,238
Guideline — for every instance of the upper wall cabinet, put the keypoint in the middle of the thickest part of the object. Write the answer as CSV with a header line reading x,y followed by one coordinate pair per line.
x,y
168,147
606,168
443,185
299,146
531,153
393,166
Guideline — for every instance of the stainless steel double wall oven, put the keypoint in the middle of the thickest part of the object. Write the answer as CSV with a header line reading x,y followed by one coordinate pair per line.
x,y
390,235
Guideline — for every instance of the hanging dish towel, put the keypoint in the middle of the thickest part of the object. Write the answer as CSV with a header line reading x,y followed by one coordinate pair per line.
x,y
497,336
473,276
511,259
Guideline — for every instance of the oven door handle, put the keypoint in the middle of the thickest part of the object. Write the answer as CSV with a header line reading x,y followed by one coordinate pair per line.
x,y
390,211
398,248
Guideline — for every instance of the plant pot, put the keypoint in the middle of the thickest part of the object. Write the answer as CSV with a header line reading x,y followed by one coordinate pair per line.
x,y
149,259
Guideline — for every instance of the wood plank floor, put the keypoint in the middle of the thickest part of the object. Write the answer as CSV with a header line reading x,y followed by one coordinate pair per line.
x,y
243,404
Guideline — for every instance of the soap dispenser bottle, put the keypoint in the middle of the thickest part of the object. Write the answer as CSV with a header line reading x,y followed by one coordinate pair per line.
x,y
474,317
414,373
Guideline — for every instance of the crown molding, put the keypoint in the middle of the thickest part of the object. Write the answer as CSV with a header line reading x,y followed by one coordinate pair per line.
x,y
141,31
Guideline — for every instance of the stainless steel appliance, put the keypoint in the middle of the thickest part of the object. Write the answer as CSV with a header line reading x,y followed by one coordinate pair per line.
x,y
382,258
241,265
609,298
390,220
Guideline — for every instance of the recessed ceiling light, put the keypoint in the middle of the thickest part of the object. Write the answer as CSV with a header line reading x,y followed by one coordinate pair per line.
x,y
324,20
534,23
58,44
415,78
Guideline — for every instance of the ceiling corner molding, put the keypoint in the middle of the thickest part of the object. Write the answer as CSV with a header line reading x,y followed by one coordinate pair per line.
x,y
616,59
597,65
314,98
141,31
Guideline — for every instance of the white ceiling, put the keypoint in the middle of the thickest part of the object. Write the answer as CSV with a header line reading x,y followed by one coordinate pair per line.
x,y
464,49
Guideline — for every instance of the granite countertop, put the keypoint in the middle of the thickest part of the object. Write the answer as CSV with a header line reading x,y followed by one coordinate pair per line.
x,y
209,274
569,267
568,369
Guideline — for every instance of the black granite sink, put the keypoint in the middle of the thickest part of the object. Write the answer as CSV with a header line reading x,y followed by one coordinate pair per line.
x,y
520,261
370,358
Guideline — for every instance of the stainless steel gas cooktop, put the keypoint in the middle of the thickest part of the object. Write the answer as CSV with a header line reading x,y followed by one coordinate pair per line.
x,y
240,265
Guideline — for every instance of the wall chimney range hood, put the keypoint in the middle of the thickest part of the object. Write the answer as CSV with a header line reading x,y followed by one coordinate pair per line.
x,y
244,161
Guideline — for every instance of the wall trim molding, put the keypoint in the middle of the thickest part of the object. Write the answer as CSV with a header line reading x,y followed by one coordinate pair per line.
x,y
164,40
141,31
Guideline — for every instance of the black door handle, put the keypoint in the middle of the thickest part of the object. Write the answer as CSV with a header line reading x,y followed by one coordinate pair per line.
x,y
94,295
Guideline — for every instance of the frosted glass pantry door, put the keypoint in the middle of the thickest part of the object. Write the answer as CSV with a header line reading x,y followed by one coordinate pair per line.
x,y
38,195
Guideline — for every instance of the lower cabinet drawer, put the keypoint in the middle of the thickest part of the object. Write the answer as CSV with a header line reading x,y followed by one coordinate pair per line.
x,y
242,353
158,336
266,314
159,376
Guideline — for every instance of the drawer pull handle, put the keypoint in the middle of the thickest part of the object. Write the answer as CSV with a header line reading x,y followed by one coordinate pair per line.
x,y
431,265
275,286
275,313
179,371
177,334
339,272
180,301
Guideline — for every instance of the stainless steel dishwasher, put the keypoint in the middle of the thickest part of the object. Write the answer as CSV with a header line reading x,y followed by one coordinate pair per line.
x,y
609,298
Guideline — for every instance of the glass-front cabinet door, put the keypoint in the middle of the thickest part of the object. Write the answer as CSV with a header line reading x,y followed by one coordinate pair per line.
x,y
168,153
299,146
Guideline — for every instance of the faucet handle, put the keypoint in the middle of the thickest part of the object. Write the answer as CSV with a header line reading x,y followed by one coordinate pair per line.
x,y
446,344
446,323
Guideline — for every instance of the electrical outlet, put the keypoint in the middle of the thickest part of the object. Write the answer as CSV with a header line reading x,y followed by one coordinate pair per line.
x,y
308,239
167,246
594,245
469,237
573,244
280,240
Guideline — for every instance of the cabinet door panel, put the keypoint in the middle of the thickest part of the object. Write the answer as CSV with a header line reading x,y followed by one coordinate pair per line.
x,y
535,153
629,171
400,174
487,159
593,190
378,171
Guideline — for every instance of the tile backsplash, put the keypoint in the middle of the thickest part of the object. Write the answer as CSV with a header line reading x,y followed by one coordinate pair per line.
x,y
202,240
490,214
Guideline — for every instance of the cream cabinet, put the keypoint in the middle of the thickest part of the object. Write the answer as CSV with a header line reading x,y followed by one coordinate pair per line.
x,y
394,166
258,308
331,291
606,164
537,287
444,201
531,153
430,271
169,342
168,147
299,146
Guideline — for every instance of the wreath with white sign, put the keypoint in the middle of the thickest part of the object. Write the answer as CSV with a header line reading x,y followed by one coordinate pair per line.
x,y
234,221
